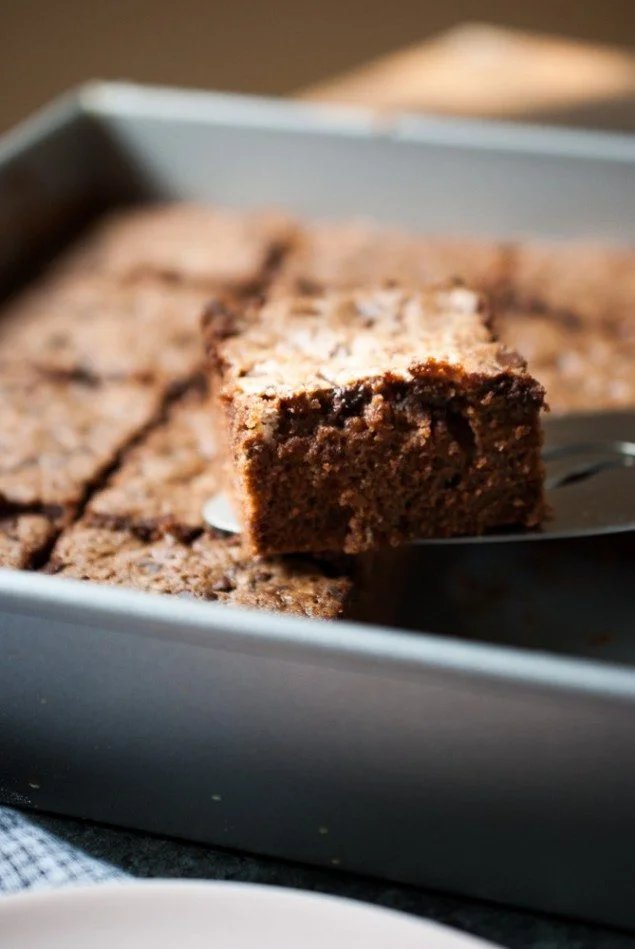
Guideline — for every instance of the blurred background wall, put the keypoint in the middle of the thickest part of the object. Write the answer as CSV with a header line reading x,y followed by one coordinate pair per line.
x,y
46,46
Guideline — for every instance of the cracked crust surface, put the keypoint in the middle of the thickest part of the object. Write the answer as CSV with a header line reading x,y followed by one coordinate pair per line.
x,y
58,435
91,327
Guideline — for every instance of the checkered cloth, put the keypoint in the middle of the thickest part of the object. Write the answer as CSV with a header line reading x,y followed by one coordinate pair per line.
x,y
32,859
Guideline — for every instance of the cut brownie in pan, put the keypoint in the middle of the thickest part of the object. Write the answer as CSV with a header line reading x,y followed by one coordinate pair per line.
x,y
356,420
23,537
145,530
345,255
163,482
197,244
210,568
58,435
91,327
585,282
583,367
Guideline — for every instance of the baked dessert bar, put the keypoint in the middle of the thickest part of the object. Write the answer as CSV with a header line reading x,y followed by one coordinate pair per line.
x,y
87,326
583,366
355,420
583,282
188,243
163,482
358,253
60,434
208,568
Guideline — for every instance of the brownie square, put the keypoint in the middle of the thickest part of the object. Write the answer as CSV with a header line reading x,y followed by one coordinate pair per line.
x,y
87,326
583,366
59,435
356,420
210,568
576,282
188,243
358,253
163,482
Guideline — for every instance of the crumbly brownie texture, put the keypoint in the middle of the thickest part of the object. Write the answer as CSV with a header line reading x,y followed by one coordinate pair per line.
x,y
582,367
88,326
356,420
342,256
22,538
58,435
211,568
208,246
145,530
163,482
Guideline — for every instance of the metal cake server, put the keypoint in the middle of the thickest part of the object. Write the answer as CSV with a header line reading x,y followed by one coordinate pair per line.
x,y
590,483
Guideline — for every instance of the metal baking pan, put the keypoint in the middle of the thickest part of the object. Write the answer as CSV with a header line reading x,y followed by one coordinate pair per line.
x,y
486,744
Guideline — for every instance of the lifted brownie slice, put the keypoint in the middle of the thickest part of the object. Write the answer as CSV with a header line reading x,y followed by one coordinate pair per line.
x,y
59,435
163,482
211,568
85,325
202,245
362,419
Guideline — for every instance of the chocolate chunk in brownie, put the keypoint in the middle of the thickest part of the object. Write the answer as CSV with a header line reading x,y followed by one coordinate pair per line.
x,y
23,537
58,435
197,244
345,255
211,568
360,419
87,325
163,483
